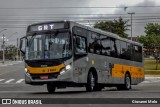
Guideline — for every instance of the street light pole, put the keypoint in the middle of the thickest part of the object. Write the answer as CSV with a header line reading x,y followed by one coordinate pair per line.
x,y
3,46
131,22
17,57
17,50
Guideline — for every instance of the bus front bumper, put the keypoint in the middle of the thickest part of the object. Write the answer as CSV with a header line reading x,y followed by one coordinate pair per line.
x,y
65,77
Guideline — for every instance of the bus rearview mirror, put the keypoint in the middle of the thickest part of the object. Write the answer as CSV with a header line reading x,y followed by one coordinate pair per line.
x,y
22,45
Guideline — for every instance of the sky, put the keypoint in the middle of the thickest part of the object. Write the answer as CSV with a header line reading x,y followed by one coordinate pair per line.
x,y
16,15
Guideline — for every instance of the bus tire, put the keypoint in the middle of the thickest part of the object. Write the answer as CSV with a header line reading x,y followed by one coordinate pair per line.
x,y
51,88
91,82
98,88
127,83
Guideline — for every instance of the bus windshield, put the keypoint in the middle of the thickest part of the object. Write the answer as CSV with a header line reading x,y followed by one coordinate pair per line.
x,y
49,46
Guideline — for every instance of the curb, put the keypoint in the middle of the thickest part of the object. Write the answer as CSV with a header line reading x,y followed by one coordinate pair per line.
x,y
152,77
155,78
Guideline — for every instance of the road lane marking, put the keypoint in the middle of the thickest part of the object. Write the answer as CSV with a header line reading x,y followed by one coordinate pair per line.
x,y
20,80
9,80
1,80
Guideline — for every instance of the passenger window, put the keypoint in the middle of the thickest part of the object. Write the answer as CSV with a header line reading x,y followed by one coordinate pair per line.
x,y
94,43
123,50
140,53
137,53
118,48
129,51
106,46
110,46
113,51
80,44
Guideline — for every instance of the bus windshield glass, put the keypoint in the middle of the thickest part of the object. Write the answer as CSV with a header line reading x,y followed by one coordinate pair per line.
x,y
49,46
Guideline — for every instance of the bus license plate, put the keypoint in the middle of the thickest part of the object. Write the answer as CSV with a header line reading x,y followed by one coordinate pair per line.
x,y
44,77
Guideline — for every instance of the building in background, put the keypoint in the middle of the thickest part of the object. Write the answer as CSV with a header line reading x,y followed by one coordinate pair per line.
x,y
134,38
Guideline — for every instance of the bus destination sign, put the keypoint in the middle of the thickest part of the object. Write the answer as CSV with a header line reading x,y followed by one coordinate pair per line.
x,y
45,27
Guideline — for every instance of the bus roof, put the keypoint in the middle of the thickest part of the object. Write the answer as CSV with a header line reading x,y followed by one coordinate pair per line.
x,y
91,29
106,33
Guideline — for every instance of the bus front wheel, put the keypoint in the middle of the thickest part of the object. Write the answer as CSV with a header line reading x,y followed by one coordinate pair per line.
x,y
51,88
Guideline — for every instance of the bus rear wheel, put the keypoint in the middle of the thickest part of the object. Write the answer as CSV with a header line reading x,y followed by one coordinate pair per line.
x,y
51,88
91,82
127,83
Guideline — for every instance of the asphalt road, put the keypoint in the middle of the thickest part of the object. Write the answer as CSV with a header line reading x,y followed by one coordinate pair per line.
x,y
12,85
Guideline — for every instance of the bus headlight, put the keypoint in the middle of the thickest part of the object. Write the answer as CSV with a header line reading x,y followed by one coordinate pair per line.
x,y
63,71
26,70
27,73
67,67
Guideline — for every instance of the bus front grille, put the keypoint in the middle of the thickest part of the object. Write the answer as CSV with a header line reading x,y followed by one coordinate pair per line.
x,y
50,76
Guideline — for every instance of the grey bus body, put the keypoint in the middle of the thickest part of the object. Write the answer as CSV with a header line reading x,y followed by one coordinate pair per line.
x,y
94,51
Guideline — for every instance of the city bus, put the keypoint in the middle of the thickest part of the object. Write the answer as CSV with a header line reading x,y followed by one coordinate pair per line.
x,y
64,54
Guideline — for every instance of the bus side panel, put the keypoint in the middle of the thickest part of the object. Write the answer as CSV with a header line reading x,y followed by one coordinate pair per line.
x,y
137,73
80,70
83,65
98,62
119,70
116,74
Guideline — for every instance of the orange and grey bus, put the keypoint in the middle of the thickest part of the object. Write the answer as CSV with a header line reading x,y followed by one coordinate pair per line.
x,y
67,54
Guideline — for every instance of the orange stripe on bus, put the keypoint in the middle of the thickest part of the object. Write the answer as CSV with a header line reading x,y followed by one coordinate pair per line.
x,y
43,70
120,71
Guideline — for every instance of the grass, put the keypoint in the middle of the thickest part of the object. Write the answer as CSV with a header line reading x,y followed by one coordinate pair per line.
x,y
150,67
152,72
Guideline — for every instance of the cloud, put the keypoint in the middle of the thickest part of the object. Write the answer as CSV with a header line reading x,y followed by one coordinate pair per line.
x,y
16,20
141,17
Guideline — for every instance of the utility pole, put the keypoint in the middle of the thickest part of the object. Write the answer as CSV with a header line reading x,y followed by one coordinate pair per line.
x,y
3,46
131,22
17,49
20,56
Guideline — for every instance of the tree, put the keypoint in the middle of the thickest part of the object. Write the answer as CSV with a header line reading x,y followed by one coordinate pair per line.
x,y
152,29
10,52
148,41
118,27
152,39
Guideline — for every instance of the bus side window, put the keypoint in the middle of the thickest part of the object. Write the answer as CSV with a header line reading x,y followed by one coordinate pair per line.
x,y
137,53
113,51
118,48
90,45
94,43
129,51
140,53
80,45
106,46
123,50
